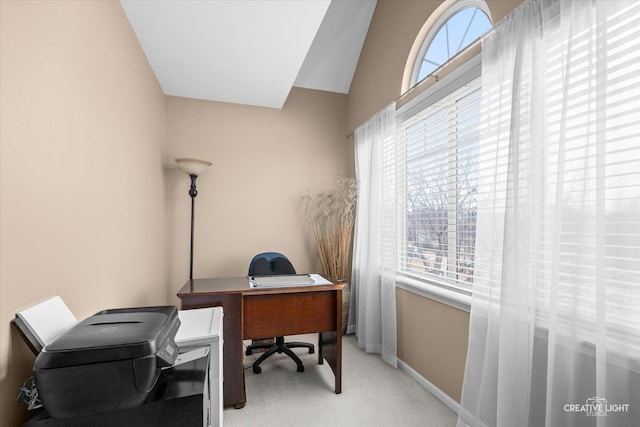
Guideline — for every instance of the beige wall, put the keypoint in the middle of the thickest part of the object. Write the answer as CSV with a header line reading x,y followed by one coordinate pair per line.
x,y
432,337
264,160
81,177
92,209
393,30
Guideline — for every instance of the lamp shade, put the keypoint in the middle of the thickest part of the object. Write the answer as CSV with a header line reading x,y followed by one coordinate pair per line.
x,y
193,166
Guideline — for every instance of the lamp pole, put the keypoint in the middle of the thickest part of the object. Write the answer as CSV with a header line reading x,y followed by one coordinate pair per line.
x,y
193,192
193,168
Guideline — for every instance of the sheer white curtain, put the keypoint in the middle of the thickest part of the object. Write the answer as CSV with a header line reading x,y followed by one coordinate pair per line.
x,y
554,335
372,314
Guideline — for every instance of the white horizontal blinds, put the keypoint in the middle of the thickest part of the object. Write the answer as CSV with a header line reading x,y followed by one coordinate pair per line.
x,y
566,161
392,204
466,140
441,172
593,134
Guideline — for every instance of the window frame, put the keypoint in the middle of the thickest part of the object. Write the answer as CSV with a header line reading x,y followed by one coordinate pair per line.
x,y
429,287
435,28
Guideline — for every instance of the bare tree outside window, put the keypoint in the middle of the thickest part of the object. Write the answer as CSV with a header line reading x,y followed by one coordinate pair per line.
x,y
441,188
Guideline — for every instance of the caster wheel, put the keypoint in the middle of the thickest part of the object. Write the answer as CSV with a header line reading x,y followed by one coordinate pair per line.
x,y
257,369
312,350
247,353
301,368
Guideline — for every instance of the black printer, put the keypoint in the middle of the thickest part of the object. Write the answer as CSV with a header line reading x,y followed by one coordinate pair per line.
x,y
108,362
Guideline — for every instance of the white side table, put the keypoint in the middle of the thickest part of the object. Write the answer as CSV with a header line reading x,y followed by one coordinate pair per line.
x,y
203,327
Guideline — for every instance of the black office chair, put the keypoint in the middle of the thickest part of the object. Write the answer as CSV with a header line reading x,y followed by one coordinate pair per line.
x,y
266,264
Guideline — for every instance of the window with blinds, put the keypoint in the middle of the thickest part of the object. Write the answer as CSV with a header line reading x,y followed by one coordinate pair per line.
x,y
593,162
576,172
440,145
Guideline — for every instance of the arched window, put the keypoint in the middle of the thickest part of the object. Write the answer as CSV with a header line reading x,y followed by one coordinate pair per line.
x,y
457,27
438,133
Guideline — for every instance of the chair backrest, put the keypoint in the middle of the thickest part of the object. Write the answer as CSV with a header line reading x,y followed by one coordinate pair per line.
x,y
270,263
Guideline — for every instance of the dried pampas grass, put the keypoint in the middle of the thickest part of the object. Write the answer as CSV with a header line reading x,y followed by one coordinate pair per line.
x,y
331,216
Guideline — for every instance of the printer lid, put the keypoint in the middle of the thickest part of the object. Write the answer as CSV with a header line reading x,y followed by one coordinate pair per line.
x,y
111,335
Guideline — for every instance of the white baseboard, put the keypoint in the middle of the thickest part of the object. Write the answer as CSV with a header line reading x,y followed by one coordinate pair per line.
x,y
439,394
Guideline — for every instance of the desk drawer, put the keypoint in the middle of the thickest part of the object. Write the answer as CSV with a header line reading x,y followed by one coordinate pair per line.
x,y
289,314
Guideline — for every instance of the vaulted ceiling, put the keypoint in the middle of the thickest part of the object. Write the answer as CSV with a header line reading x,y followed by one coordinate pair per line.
x,y
250,51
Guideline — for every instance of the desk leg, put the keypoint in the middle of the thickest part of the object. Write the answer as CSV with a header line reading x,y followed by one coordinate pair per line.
x,y
330,345
233,351
320,352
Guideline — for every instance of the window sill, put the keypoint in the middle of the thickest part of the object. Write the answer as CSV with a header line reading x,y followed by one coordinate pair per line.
x,y
457,299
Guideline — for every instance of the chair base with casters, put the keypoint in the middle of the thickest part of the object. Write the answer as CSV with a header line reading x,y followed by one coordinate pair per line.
x,y
265,264
279,347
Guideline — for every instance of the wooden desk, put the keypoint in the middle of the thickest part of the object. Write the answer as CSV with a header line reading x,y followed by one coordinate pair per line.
x,y
251,313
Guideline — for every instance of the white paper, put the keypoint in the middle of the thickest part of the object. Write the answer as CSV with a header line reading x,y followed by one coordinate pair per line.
x,y
290,280
48,320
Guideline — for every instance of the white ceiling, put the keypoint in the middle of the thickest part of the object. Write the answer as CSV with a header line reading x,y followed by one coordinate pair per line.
x,y
250,51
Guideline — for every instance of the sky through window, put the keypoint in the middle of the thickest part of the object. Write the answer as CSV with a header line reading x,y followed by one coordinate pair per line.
x,y
454,35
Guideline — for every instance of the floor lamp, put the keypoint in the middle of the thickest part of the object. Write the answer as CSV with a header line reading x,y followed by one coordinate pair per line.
x,y
193,168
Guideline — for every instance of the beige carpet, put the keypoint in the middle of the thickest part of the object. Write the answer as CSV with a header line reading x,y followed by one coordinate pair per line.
x,y
373,394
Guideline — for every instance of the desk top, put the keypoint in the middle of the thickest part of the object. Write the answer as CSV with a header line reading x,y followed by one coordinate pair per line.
x,y
240,285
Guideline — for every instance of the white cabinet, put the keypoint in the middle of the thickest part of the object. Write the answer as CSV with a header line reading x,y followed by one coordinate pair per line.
x,y
202,327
